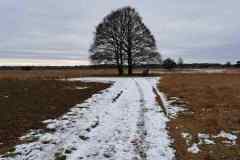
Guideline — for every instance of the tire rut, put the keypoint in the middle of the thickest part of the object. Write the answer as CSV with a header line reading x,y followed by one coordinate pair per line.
x,y
139,142
119,124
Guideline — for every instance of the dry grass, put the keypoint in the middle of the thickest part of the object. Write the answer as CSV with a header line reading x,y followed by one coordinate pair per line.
x,y
214,100
46,73
24,104
54,73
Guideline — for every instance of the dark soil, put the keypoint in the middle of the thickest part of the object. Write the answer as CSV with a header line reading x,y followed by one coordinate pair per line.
x,y
24,104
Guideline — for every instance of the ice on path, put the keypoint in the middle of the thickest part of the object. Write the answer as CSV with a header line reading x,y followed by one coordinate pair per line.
x,y
132,127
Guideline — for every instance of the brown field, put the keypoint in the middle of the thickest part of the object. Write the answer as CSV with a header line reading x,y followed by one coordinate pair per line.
x,y
45,73
213,103
24,104
55,73
28,97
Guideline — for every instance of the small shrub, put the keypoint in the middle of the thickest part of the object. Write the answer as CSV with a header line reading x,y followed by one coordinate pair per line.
x,y
169,63
26,68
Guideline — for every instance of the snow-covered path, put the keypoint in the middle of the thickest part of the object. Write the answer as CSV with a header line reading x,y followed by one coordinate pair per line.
x,y
124,122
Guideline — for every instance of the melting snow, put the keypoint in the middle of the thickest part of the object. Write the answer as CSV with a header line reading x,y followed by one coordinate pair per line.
x,y
231,138
131,127
80,88
172,110
194,149
204,139
188,137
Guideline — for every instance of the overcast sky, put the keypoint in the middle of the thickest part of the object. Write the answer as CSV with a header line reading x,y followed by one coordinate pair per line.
x,y
197,31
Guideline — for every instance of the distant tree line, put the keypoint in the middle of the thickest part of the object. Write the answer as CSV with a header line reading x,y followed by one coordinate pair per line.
x,y
171,64
164,64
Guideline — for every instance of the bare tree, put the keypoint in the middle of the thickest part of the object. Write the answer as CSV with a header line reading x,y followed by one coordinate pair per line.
x,y
122,38
147,57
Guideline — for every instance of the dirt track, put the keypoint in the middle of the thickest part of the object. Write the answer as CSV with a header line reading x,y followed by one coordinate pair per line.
x,y
132,127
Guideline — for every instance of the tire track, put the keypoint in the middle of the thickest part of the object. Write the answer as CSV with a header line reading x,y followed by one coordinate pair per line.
x,y
140,142
122,123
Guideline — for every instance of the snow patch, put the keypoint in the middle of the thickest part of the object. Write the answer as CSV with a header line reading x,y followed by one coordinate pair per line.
x,y
205,139
194,149
47,138
93,79
187,137
231,138
81,88
172,110
131,127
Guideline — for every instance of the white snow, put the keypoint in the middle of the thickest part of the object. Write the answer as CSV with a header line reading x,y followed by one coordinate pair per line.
x,y
172,110
231,138
187,137
202,139
203,136
94,79
130,127
47,138
80,88
194,149
205,139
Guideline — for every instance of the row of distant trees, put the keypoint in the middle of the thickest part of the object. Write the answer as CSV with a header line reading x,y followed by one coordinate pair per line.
x,y
171,63
229,64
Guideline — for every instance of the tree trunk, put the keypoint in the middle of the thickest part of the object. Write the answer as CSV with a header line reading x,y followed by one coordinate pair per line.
x,y
130,70
129,63
119,65
120,60
129,57
120,70
129,47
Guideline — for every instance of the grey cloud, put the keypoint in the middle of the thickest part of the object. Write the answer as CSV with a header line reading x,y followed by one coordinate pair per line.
x,y
195,30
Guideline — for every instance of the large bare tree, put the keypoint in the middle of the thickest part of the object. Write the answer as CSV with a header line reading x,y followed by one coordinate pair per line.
x,y
123,39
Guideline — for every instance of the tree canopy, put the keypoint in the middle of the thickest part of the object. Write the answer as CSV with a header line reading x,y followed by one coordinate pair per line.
x,y
123,39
